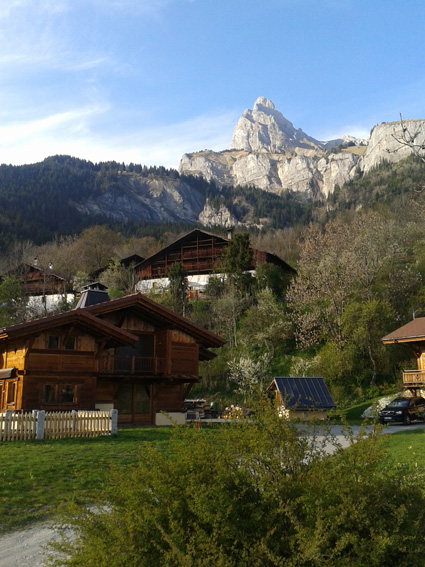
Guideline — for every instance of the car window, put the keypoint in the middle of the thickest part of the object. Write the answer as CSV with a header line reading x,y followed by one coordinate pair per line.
x,y
399,403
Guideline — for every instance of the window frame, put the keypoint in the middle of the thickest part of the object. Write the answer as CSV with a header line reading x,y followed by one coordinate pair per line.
x,y
58,390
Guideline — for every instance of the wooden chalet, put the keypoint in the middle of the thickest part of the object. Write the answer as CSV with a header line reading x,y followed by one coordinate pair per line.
x,y
130,354
199,252
43,287
411,335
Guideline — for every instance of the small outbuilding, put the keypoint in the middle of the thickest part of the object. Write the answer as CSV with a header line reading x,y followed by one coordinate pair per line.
x,y
304,398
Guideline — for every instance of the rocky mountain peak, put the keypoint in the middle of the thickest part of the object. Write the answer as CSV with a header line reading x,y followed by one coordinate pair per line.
x,y
269,153
263,102
265,129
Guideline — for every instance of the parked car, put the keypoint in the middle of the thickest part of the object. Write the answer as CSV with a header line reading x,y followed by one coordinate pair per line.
x,y
403,410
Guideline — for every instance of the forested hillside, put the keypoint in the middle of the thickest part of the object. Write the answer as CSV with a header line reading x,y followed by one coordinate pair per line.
x,y
63,195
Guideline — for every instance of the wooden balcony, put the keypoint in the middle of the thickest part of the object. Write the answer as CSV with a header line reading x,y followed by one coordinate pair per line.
x,y
131,365
413,378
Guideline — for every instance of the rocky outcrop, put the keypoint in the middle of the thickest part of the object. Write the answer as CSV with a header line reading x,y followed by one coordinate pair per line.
x,y
209,216
386,142
269,153
156,199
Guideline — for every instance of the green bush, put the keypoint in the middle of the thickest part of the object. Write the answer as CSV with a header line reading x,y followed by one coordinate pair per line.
x,y
256,493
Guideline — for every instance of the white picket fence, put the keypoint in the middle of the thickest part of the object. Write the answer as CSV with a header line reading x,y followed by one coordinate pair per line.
x,y
40,424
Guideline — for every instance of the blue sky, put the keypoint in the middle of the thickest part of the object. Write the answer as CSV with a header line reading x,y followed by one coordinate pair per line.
x,y
145,81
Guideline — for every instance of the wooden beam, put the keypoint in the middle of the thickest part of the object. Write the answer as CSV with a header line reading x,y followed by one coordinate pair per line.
x,y
68,333
100,348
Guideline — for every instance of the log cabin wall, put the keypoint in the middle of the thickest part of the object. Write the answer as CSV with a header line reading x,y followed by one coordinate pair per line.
x,y
56,371
168,397
184,353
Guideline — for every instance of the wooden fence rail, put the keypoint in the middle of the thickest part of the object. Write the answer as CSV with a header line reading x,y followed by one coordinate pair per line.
x,y
40,424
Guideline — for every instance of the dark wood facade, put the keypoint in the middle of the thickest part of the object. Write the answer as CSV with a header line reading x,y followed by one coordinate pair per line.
x,y
199,252
130,354
35,281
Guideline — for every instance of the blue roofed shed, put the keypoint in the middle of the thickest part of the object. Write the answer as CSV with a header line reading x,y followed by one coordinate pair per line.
x,y
303,397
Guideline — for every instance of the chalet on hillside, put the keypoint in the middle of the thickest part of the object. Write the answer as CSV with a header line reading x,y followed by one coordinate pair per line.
x,y
129,354
411,335
199,252
127,262
43,287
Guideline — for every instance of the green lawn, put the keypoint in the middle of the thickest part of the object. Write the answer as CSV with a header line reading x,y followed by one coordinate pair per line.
x,y
39,477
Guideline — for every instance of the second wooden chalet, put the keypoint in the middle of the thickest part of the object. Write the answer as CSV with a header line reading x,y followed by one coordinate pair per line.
x,y
200,253
129,354
43,288
411,335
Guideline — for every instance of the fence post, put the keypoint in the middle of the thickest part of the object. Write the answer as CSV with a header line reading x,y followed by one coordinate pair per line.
x,y
114,422
8,428
39,424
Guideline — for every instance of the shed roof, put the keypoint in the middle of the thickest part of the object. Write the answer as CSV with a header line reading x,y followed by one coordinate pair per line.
x,y
411,332
303,393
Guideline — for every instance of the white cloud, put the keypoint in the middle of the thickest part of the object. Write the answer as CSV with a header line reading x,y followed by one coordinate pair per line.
x,y
75,133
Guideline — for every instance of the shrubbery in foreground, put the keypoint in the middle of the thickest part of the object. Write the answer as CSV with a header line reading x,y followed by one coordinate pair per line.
x,y
255,494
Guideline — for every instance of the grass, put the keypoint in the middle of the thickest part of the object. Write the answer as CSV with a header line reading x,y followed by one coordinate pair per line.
x,y
406,446
37,478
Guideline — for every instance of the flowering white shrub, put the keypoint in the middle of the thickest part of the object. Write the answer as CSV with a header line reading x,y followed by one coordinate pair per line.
x,y
249,375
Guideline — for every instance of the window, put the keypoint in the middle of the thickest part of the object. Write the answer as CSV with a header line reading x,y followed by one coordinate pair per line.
x,y
53,342
11,390
58,393
67,393
70,343
48,394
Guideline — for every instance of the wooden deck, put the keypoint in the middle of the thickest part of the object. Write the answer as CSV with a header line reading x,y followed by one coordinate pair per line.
x,y
132,365
413,378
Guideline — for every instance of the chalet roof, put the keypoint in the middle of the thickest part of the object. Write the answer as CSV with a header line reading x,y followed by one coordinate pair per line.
x,y
126,262
303,393
77,317
274,259
133,259
25,268
188,236
158,314
411,332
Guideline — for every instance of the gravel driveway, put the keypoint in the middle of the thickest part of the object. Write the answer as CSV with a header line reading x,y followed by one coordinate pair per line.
x,y
25,548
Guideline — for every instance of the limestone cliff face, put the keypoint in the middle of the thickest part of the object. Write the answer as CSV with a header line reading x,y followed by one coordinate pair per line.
x,y
384,143
156,199
269,153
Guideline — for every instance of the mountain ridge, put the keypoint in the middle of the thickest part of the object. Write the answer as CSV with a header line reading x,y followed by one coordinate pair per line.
x,y
268,152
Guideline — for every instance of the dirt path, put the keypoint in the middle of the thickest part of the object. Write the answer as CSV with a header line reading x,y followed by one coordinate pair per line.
x,y
26,548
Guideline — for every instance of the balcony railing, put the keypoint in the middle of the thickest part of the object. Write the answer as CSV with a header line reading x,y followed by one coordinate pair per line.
x,y
414,377
131,365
